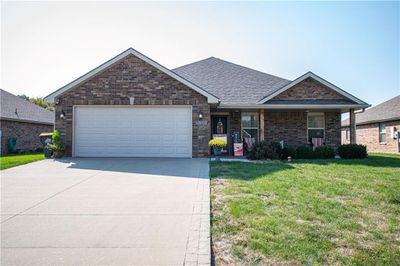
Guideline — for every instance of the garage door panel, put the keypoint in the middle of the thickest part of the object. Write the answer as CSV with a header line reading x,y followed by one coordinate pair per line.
x,y
133,132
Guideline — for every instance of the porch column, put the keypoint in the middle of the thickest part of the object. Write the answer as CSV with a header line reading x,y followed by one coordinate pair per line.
x,y
352,127
262,129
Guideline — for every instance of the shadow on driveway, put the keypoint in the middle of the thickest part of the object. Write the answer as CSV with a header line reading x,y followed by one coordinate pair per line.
x,y
182,167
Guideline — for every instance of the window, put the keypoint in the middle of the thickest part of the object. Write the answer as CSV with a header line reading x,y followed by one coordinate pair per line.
x,y
315,126
382,133
347,134
250,126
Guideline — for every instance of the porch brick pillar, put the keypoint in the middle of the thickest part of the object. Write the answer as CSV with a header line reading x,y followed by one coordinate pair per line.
x,y
262,127
352,127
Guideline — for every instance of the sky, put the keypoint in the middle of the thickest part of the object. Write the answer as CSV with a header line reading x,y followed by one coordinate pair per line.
x,y
354,45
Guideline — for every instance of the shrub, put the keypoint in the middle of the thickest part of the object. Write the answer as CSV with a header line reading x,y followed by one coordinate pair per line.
x,y
352,151
274,151
324,152
288,151
258,151
38,150
265,150
57,144
304,152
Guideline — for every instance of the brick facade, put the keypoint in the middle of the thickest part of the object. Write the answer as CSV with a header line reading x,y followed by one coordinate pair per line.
x,y
332,128
368,135
309,89
291,127
132,77
26,134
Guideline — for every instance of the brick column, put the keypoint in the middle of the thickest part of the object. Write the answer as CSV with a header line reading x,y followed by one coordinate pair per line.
x,y
262,127
352,127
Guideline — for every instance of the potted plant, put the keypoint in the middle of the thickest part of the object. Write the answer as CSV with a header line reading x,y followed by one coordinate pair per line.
x,y
57,146
217,145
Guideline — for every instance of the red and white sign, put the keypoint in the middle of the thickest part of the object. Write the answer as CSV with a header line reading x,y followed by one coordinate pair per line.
x,y
238,149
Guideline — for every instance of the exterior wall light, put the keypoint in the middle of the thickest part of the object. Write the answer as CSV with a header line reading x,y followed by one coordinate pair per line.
x,y
200,115
62,115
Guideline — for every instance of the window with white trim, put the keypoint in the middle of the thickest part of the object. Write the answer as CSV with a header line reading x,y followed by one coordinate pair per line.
x,y
315,126
382,133
250,126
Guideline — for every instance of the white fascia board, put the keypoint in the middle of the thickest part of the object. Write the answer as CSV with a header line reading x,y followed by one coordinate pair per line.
x,y
317,78
295,106
51,97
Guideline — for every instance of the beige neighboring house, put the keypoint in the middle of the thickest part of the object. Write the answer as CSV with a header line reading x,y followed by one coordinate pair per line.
x,y
378,127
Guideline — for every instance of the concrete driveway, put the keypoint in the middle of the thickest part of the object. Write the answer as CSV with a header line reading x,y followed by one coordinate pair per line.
x,y
106,211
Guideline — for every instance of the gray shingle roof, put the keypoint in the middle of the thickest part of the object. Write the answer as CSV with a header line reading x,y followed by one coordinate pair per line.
x,y
389,110
15,108
231,83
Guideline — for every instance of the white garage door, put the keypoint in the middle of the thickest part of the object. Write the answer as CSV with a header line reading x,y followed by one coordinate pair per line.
x,y
133,132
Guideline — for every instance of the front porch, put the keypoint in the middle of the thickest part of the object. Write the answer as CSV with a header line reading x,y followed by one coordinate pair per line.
x,y
295,128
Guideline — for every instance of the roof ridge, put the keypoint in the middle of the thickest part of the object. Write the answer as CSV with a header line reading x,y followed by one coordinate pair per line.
x,y
249,68
198,61
228,62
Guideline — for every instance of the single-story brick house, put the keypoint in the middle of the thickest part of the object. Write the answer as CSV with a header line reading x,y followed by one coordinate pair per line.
x,y
377,127
133,106
23,121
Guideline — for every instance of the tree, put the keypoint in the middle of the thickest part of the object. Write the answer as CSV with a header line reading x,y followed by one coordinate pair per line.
x,y
38,101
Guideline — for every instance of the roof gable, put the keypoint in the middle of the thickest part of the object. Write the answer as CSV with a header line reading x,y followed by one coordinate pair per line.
x,y
50,98
333,91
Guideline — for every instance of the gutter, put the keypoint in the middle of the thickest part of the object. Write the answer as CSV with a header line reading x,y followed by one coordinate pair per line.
x,y
26,121
292,106
360,112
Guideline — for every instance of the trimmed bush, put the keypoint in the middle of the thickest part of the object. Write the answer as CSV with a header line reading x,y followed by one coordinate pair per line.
x,y
324,152
288,151
304,152
352,151
265,150
258,151
274,151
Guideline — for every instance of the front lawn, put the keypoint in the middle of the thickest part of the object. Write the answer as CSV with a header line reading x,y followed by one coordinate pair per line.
x,y
310,212
8,161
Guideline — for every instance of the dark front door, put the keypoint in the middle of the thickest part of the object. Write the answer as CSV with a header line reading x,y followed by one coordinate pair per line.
x,y
219,125
219,129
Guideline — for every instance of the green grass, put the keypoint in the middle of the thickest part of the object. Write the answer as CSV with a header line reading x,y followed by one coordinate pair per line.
x,y
310,212
8,161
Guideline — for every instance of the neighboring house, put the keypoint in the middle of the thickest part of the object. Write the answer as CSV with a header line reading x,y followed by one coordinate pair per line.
x,y
133,106
23,121
377,127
